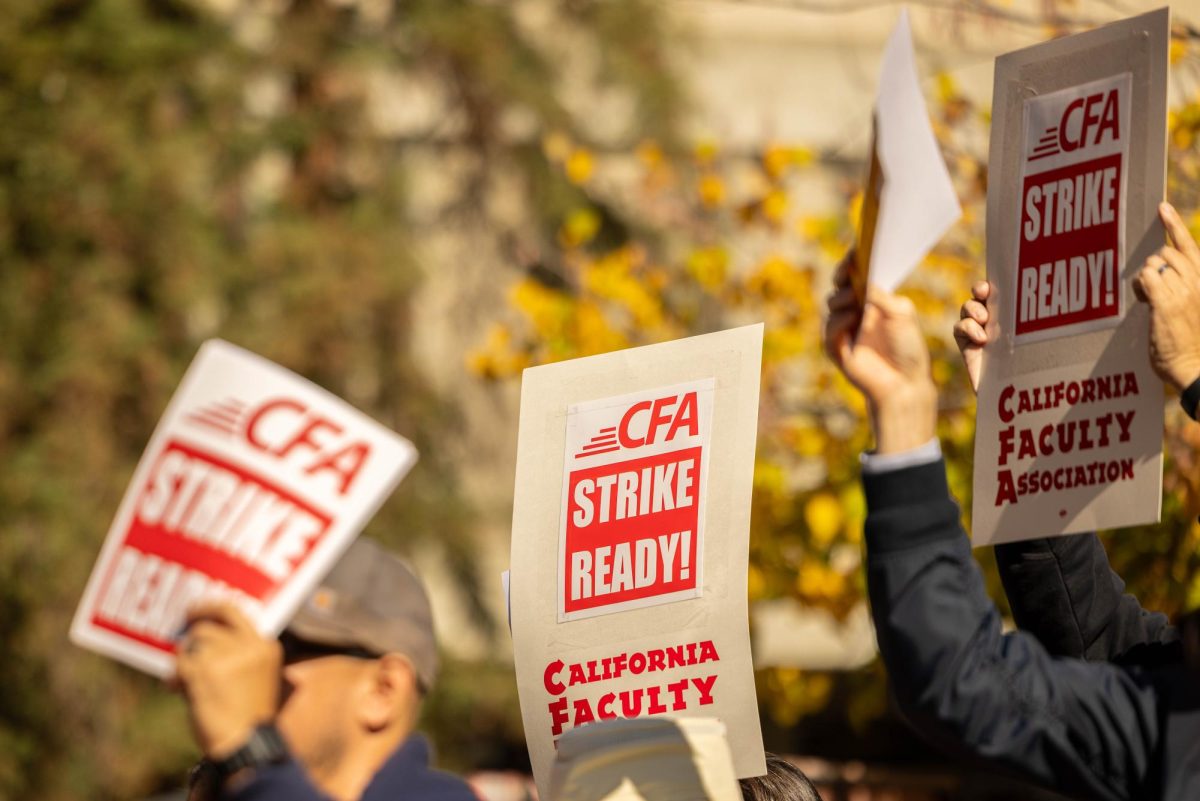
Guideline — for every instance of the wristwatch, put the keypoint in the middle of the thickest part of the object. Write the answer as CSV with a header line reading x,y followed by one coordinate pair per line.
x,y
264,747
1190,398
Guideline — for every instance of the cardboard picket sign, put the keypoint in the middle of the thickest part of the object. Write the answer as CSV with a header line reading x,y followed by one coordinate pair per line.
x,y
253,484
630,541
1069,421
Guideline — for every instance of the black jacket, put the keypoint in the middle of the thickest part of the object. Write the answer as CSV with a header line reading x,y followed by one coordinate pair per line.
x,y
1063,591
1093,730
406,775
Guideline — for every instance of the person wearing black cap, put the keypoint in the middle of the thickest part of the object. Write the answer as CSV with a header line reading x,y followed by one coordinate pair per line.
x,y
329,709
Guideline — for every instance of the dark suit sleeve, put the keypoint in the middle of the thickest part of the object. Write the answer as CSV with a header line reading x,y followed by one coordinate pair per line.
x,y
1063,591
1085,729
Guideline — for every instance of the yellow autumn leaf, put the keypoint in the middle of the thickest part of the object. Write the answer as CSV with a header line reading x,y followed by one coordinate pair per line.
x,y
947,88
774,205
705,152
579,228
824,518
708,266
711,190
580,165
1177,51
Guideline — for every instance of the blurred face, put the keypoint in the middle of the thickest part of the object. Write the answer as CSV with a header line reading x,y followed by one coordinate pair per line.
x,y
318,715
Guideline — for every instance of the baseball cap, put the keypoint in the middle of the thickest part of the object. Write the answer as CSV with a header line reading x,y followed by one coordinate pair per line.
x,y
372,600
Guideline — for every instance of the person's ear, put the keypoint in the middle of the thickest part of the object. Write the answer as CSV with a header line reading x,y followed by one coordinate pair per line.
x,y
391,694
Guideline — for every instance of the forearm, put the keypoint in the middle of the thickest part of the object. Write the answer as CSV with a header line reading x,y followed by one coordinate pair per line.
x,y
905,419
1080,728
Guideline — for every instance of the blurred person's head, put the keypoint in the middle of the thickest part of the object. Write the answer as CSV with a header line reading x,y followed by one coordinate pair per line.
x,y
357,659
782,782
645,759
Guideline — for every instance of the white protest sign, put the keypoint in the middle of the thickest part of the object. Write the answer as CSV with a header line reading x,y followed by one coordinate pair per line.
x,y
1069,421
630,540
915,197
253,484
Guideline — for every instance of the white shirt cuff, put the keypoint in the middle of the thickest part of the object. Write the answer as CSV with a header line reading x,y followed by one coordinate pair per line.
x,y
928,453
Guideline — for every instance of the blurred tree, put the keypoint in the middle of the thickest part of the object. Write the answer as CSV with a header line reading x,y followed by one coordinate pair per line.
x,y
174,170
730,247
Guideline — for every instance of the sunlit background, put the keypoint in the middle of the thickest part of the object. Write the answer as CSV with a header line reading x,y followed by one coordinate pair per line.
x,y
409,201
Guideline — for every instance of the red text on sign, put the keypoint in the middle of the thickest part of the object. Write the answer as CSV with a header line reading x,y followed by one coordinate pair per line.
x,y
631,530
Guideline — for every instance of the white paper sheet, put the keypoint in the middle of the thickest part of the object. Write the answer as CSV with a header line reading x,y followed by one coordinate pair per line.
x,y
917,203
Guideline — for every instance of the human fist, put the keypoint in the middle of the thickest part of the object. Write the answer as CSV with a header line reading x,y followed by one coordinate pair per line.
x,y
883,353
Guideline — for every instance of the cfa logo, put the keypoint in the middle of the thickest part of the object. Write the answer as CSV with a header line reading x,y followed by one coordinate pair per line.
x,y
1086,121
647,422
288,429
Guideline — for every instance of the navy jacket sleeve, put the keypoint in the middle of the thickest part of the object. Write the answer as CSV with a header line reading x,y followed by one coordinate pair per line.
x,y
406,774
1085,729
1063,591
277,783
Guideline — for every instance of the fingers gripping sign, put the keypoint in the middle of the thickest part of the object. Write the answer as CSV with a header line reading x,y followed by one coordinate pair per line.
x,y
970,332
884,355
229,674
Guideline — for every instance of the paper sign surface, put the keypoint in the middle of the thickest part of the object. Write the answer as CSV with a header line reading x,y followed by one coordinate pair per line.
x,y
253,484
630,540
917,202
1071,241
634,478
1070,414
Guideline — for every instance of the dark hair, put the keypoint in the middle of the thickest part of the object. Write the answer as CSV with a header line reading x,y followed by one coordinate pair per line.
x,y
783,782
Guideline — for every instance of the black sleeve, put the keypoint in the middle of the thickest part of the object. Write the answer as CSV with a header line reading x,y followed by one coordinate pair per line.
x,y
1085,729
1063,591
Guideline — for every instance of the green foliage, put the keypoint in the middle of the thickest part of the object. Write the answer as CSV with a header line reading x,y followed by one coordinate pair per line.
x,y
174,170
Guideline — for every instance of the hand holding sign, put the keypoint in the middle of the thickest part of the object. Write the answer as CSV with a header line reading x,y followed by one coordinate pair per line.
x,y
1069,418
1170,283
230,676
970,332
630,534
252,485
889,363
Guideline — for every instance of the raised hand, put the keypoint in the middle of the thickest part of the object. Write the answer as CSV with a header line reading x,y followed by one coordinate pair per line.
x,y
230,676
883,353
1170,283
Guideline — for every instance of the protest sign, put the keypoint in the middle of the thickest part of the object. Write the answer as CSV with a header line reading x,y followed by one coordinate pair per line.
x,y
909,200
253,484
1070,414
630,539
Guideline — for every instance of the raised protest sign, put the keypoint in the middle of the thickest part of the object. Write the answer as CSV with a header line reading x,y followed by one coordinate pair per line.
x,y
253,484
1070,415
909,200
630,540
